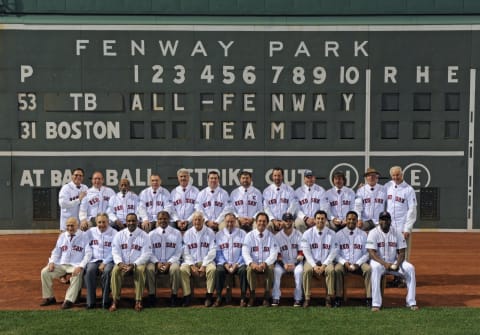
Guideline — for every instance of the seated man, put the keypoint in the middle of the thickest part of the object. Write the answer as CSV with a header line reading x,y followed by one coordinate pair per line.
x,y
319,246
352,257
166,252
70,255
229,258
290,259
387,247
199,252
100,240
131,252
260,252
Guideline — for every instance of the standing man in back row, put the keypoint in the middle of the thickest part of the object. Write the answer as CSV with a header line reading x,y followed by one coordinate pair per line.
x,y
246,201
278,199
340,199
95,202
70,196
311,198
402,205
370,200
183,201
213,201
153,199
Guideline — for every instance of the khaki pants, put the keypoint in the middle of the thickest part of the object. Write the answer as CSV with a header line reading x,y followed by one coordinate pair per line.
x,y
173,273
61,270
185,274
329,275
138,281
364,271
252,279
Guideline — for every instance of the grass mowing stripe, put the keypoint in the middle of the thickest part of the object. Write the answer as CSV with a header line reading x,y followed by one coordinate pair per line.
x,y
283,320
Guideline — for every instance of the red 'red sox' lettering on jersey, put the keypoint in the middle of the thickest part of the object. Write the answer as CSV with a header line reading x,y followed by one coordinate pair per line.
x,y
346,246
151,202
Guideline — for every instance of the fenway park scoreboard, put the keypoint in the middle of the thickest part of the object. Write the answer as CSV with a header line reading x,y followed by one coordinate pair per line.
x,y
130,100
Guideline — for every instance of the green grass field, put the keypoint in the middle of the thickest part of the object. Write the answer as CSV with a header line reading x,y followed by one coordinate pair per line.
x,y
283,320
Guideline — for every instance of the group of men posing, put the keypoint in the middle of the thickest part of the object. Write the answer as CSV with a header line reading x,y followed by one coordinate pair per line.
x,y
210,234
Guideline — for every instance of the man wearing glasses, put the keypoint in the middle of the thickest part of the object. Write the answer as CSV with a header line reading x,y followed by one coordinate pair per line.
x,y
70,197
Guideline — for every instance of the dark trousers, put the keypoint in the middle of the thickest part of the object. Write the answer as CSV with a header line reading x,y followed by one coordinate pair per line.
x,y
221,274
90,277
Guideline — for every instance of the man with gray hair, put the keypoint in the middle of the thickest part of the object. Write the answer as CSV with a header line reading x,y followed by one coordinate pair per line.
x,y
183,201
402,205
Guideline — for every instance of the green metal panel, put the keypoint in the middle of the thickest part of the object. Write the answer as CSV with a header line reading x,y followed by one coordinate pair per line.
x,y
248,7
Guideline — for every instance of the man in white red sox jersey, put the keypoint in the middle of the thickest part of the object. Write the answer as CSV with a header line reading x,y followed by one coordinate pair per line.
x,y
95,202
122,203
166,252
199,251
246,201
70,255
131,252
386,247
402,205
319,246
352,258
213,201
183,201
278,199
229,258
100,240
340,199
311,198
289,259
370,200
70,197
153,199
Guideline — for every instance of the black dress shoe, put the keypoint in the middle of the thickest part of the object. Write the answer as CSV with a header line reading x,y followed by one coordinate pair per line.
x,y
67,304
173,300
90,306
48,302
368,302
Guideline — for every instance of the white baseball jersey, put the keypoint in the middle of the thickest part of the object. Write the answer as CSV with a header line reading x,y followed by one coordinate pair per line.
x,y
95,202
152,202
166,245
183,202
69,202
402,205
370,201
131,248
101,244
199,246
260,247
214,204
352,246
122,204
289,246
386,245
229,246
278,200
246,203
319,246
339,202
74,251
310,200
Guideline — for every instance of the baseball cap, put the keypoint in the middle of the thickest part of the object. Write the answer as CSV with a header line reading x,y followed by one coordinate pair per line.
x,y
384,216
371,171
308,173
288,216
